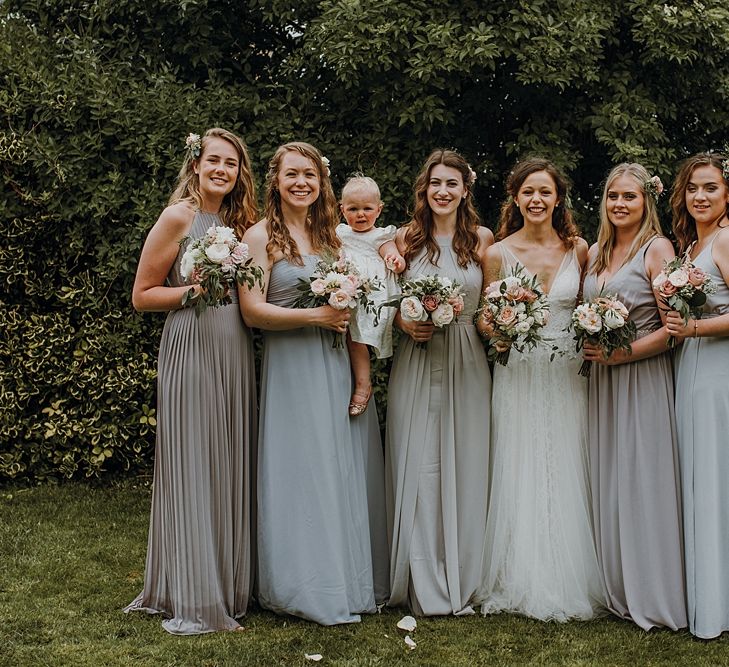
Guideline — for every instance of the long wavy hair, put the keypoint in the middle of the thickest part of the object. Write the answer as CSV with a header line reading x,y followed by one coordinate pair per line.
x,y
239,209
684,226
323,213
650,226
511,219
419,232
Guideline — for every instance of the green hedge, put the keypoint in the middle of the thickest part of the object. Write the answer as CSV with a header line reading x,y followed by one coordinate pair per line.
x,y
98,96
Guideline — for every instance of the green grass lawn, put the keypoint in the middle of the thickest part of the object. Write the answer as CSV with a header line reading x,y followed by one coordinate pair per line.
x,y
72,556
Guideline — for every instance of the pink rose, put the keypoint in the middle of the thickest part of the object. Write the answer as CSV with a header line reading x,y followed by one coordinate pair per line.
x,y
507,316
457,303
430,302
668,289
529,296
696,276
240,253
514,292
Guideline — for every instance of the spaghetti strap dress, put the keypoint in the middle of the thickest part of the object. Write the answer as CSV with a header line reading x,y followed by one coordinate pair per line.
x,y
702,416
636,490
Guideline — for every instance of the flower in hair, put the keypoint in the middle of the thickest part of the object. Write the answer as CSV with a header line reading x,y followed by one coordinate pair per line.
x,y
654,187
471,176
325,162
725,164
193,143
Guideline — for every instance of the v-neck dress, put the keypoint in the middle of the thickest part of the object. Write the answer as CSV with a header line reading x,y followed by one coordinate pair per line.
x,y
702,417
636,496
539,554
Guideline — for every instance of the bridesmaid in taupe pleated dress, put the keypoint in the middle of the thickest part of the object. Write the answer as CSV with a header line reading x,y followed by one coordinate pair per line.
x,y
199,566
632,430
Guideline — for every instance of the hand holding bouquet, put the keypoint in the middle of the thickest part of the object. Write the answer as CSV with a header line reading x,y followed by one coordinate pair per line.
x,y
217,261
683,287
603,322
512,313
434,298
336,282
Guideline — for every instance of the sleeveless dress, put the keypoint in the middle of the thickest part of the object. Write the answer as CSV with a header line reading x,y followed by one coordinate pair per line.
x,y
437,455
199,565
539,555
363,249
702,416
636,495
314,546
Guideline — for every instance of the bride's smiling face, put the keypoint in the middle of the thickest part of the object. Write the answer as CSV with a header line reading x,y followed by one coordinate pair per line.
x,y
537,198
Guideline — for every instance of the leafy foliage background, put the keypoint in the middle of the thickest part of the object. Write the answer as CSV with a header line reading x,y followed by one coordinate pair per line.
x,y
98,95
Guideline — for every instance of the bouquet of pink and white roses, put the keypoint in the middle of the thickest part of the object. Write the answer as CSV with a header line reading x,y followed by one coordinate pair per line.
x,y
434,298
217,262
683,287
603,322
512,313
336,282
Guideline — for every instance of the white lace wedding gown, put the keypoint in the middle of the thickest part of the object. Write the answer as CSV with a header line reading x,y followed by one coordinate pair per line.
x,y
539,554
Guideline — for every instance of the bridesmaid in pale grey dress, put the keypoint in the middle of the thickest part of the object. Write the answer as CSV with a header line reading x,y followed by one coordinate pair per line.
x,y
636,493
314,553
700,203
438,407
199,570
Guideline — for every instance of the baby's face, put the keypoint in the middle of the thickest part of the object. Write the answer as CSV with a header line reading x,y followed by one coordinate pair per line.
x,y
361,209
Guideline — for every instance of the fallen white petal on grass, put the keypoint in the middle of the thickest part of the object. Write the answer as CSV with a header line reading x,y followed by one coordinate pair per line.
x,y
313,656
407,623
410,643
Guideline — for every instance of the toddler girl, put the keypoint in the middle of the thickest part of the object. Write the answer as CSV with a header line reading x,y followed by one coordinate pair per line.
x,y
373,251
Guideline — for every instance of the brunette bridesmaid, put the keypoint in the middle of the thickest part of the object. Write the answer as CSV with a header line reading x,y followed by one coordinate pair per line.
x,y
438,406
700,202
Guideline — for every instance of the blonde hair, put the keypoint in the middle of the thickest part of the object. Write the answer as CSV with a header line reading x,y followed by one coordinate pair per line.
x,y
359,181
684,226
419,231
323,213
239,209
650,226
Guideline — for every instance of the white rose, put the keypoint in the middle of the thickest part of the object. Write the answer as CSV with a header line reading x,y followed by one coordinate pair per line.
x,y
442,315
511,281
340,300
678,278
225,235
187,264
446,281
412,310
217,252
539,317
588,319
523,327
613,319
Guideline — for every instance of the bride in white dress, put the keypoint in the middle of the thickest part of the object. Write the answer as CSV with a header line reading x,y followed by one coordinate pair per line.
x,y
539,553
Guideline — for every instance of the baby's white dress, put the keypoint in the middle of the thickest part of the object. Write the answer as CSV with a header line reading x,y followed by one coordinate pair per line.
x,y
362,248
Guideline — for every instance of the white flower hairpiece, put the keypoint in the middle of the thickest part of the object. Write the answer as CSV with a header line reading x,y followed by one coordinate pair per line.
x,y
325,162
471,176
193,143
654,187
725,164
